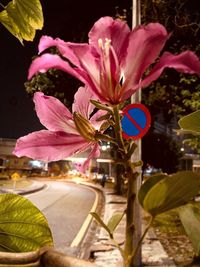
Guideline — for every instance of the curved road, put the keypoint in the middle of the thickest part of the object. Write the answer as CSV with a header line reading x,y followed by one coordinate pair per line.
x,y
66,206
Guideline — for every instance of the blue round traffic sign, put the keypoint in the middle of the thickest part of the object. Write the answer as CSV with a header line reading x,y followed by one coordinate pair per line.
x,y
136,121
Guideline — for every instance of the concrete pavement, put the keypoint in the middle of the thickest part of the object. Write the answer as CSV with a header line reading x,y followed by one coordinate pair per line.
x,y
106,255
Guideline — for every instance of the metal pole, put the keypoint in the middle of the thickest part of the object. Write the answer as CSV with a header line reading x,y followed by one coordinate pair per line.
x,y
136,98
136,13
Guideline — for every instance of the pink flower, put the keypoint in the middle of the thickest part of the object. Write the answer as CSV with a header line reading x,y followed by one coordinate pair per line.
x,y
62,139
115,62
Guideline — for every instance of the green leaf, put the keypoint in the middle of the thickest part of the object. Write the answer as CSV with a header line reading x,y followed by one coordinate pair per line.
x,y
10,25
190,218
138,163
99,105
103,117
22,18
148,184
104,137
100,221
105,125
32,10
114,221
23,227
191,122
170,192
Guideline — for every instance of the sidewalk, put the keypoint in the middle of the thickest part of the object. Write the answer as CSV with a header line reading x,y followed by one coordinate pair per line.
x,y
106,255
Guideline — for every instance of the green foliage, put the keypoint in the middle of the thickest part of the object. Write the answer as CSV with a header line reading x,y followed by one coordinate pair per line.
x,y
101,106
149,183
193,142
101,222
190,126
180,17
112,223
191,123
23,227
190,218
169,192
22,18
55,83
174,94
190,213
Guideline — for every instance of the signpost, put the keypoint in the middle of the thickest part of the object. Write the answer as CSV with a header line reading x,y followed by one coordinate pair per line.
x,y
136,98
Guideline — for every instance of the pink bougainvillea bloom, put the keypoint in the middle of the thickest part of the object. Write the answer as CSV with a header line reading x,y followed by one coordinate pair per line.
x,y
62,139
115,62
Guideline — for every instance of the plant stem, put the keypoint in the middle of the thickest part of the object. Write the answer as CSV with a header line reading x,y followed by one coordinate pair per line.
x,y
119,248
131,191
118,130
130,225
134,253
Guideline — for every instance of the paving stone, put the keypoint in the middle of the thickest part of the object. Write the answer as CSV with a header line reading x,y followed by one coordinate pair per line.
x,y
153,253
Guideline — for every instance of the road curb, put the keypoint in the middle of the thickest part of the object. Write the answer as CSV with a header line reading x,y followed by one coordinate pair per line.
x,y
24,191
79,237
86,235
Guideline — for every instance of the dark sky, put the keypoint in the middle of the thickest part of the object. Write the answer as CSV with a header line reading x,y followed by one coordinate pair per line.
x,y
67,19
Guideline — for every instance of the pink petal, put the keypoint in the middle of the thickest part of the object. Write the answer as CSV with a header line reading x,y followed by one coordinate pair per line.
x,y
110,75
89,65
97,124
49,146
46,42
48,61
53,114
95,152
101,76
83,106
145,44
63,47
115,30
186,62
82,102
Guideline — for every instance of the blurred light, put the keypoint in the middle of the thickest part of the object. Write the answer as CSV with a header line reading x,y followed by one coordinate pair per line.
x,y
104,148
74,159
36,163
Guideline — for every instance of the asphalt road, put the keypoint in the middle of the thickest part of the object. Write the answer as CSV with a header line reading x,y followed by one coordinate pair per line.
x,y
66,207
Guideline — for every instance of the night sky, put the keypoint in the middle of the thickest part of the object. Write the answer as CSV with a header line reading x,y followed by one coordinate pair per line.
x,y
69,20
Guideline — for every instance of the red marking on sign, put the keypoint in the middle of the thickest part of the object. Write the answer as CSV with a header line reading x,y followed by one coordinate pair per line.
x,y
137,115
134,122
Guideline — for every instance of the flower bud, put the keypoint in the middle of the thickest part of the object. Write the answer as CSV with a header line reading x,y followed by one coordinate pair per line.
x,y
84,127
